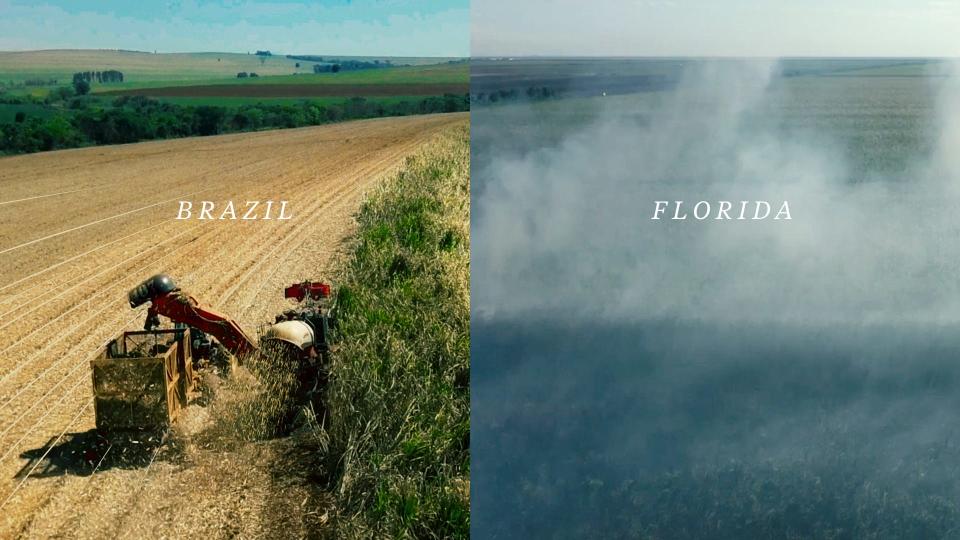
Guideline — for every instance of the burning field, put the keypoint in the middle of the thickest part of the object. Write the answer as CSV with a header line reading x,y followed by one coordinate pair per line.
x,y
719,378
78,228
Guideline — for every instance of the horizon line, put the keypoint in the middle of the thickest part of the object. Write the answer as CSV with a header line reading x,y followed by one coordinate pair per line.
x,y
225,52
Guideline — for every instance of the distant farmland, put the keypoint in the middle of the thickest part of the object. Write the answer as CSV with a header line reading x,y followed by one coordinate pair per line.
x,y
425,74
140,66
500,80
159,96
38,73
297,90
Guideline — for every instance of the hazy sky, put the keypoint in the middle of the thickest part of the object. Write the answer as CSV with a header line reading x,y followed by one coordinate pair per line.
x,y
345,27
716,27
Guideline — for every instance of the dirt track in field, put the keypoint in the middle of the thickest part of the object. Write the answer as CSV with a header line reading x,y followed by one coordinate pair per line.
x,y
298,90
79,228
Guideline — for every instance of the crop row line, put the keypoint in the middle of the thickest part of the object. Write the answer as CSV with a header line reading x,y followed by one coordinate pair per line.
x,y
78,227
87,279
65,261
89,299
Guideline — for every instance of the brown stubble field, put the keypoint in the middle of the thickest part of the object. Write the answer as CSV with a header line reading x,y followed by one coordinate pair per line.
x,y
79,228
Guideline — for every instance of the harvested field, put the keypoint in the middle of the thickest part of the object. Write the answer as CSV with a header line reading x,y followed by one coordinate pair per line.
x,y
78,228
297,90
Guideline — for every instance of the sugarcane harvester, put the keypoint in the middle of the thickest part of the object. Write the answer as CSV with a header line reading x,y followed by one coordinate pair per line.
x,y
168,300
142,379
305,327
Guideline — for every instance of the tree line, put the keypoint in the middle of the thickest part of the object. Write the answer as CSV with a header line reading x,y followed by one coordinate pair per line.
x,y
108,76
326,68
138,118
33,82
333,65
532,93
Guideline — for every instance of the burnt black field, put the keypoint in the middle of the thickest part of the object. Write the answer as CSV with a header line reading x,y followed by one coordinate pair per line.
x,y
690,431
638,379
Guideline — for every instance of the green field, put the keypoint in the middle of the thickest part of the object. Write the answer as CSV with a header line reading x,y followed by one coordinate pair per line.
x,y
431,74
8,112
34,74
240,101
144,66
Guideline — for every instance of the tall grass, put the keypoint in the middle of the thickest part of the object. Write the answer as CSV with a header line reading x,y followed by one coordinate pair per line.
x,y
398,400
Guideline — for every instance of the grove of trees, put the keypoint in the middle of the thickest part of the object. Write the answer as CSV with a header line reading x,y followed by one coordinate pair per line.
x,y
81,87
334,65
326,68
109,76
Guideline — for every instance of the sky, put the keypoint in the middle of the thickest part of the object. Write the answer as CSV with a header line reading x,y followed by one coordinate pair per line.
x,y
343,27
772,28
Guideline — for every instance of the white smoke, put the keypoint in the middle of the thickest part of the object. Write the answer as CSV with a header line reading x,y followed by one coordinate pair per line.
x,y
567,227
607,345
